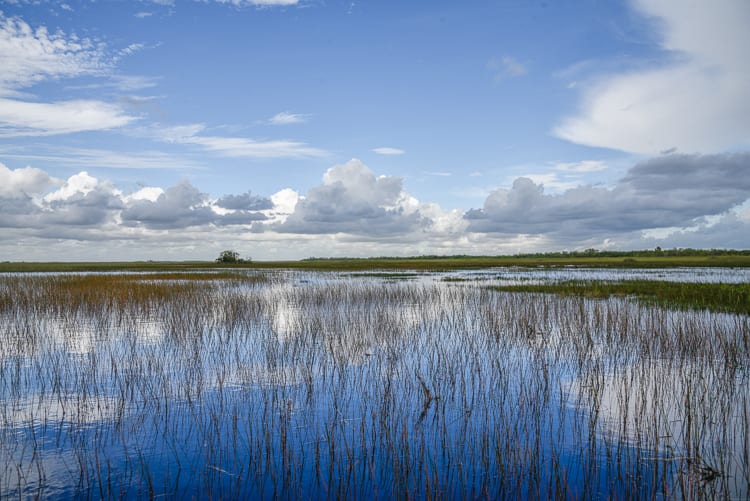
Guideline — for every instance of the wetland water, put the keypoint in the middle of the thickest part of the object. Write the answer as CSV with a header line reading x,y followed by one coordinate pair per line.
x,y
323,385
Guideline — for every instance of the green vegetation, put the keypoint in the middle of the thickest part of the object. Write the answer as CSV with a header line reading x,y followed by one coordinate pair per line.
x,y
734,298
590,258
231,257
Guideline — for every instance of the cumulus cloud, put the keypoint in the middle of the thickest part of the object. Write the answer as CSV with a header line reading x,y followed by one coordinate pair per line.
x,y
151,193
245,201
671,191
82,201
698,101
24,182
728,231
676,200
81,183
183,206
85,201
353,200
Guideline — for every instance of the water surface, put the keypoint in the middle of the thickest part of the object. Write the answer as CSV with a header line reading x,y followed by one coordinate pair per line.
x,y
341,385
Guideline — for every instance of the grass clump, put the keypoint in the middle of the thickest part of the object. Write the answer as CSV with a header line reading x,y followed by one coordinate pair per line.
x,y
721,297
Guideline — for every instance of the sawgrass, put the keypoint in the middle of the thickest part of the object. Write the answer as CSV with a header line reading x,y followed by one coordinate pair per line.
x,y
733,298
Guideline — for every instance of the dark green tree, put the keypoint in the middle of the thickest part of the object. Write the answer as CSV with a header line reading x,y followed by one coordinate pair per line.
x,y
229,256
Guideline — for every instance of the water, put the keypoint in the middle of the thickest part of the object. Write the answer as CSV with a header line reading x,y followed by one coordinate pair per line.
x,y
334,385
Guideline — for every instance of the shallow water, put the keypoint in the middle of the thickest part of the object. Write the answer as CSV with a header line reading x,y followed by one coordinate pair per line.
x,y
335,385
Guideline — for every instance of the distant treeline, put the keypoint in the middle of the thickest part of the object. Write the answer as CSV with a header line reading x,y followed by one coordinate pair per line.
x,y
657,252
687,252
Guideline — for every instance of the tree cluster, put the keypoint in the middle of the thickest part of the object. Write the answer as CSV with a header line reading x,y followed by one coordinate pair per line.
x,y
231,257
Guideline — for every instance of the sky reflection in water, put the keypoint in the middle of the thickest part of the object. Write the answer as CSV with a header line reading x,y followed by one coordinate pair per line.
x,y
335,385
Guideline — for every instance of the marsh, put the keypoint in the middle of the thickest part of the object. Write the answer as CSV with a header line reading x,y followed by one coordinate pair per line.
x,y
289,384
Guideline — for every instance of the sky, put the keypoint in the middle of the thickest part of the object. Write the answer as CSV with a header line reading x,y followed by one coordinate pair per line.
x,y
288,129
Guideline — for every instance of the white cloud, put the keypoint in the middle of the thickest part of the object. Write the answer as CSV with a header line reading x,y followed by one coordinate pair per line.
x,y
21,118
122,83
284,201
24,182
32,55
360,207
175,133
582,166
551,180
505,67
235,146
150,193
386,150
670,191
353,200
259,3
245,147
81,183
97,158
243,202
288,118
697,101
132,49
694,200
86,208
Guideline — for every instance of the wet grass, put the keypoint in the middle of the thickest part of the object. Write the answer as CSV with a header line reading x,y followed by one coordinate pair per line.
x,y
733,298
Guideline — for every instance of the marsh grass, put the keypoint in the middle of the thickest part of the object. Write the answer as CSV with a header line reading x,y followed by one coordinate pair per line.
x,y
614,260
734,298
296,386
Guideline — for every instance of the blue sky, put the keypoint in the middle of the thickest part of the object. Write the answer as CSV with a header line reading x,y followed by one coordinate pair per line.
x,y
288,129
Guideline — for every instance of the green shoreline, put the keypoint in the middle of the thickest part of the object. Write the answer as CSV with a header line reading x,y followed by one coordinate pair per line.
x,y
641,259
